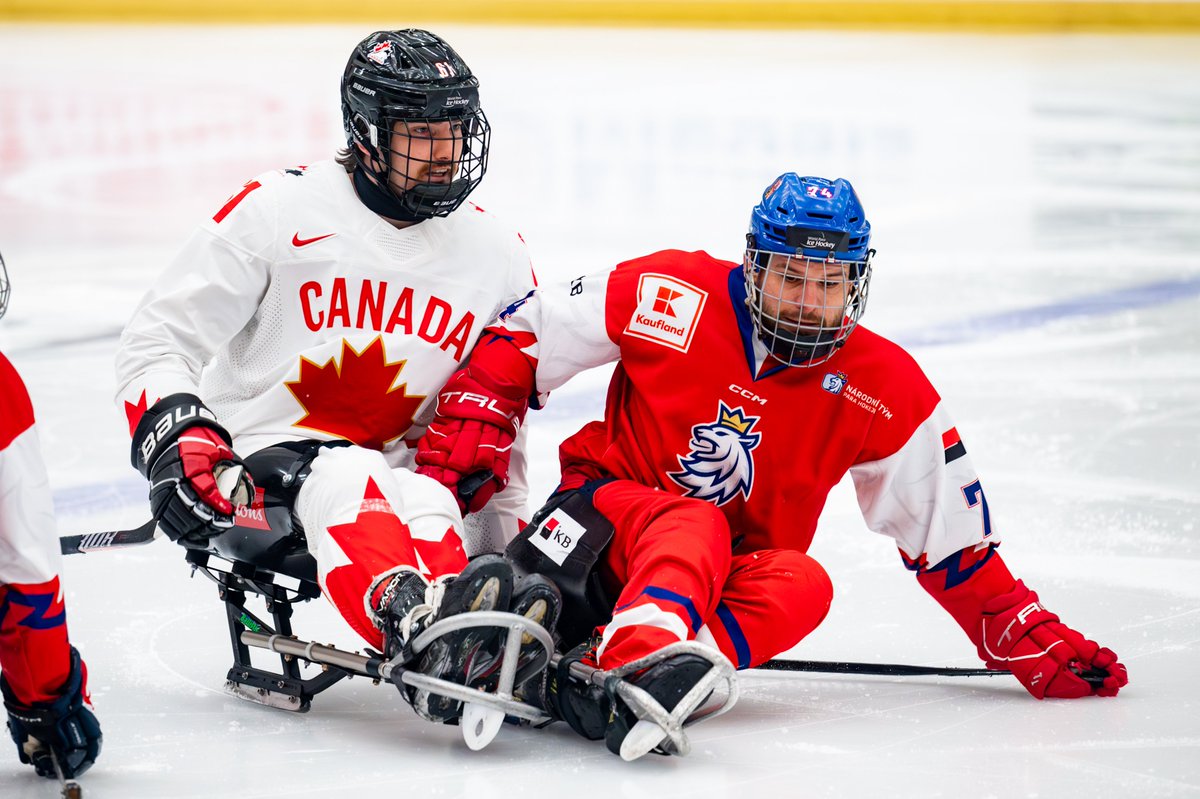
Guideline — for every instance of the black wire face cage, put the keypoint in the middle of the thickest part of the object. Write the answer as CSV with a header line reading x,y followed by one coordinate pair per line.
x,y
5,287
804,308
429,164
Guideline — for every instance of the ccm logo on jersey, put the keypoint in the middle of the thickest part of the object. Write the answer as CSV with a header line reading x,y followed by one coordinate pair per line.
x,y
747,394
558,536
667,311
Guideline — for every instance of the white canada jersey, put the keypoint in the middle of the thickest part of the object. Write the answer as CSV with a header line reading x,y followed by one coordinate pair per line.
x,y
296,313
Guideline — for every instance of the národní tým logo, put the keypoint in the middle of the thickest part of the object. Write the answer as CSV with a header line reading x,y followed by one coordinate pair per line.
x,y
719,464
834,382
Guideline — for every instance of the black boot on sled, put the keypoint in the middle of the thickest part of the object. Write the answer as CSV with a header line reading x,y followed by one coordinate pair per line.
x,y
409,606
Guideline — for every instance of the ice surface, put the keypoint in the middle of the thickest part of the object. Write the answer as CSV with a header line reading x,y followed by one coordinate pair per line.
x,y
1036,206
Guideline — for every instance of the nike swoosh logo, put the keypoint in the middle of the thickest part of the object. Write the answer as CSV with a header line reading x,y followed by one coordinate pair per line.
x,y
299,242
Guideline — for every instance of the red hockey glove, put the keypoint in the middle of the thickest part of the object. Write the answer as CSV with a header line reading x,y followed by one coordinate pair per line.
x,y
1048,657
473,432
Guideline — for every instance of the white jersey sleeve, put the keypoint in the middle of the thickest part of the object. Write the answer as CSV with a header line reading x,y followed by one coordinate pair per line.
x,y
926,495
562,329
208,293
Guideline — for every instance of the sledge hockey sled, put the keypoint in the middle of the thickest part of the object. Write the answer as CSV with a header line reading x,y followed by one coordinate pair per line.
x,y
264,556
283,573
239,579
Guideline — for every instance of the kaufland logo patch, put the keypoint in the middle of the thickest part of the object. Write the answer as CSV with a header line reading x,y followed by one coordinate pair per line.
x,y
667,312
558,536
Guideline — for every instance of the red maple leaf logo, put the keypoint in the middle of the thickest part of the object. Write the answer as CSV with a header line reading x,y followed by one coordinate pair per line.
x,y
356,400
374,543
134,413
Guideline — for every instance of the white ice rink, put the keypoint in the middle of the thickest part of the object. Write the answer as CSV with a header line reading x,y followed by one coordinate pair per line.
x,y
1036,208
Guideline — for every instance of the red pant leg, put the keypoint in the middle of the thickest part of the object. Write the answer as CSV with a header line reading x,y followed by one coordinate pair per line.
x,y
670,554
772,599
35,656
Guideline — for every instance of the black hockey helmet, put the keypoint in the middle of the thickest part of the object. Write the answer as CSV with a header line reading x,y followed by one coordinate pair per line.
x,y
415,76
4,286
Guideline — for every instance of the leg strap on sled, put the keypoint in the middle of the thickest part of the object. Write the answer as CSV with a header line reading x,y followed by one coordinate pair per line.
x,y
564,542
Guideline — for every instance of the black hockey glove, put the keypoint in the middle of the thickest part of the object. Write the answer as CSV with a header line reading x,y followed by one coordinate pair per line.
x,y
184,453
67,727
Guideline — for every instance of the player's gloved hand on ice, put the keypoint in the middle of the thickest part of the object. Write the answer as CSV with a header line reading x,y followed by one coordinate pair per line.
x,y
67,727
473,432
196,480
1048,657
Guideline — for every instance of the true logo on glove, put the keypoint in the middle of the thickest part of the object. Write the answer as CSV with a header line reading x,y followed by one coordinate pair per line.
x,y
482,400
1029,610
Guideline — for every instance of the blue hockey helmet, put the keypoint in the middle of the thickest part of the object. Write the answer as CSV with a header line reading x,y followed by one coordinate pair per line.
x,y
807,267
811,216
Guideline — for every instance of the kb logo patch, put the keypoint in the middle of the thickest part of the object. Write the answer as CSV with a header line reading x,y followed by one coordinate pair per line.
x,y
558,536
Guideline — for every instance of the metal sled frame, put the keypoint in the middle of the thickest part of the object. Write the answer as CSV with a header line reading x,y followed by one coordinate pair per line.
x,y
286,689
483,712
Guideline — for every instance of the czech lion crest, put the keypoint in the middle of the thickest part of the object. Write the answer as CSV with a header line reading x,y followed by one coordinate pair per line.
x,y
719,464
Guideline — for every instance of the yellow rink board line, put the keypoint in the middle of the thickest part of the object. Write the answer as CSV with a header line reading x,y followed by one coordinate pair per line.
x,y
1148,16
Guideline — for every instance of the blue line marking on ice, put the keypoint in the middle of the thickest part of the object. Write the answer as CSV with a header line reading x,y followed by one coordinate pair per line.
x,y
1020,319
82,500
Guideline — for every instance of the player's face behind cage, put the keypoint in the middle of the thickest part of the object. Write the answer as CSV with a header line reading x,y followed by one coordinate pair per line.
x,y
439,159
804,308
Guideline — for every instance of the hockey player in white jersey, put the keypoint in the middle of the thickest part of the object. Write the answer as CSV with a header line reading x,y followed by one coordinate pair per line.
x,y
43,679
306,328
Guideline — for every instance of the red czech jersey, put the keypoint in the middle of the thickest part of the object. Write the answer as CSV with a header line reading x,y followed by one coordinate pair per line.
x,y
698,407
34,654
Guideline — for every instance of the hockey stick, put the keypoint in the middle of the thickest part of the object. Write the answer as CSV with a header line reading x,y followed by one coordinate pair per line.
x,y
879,669
1092,676
70,788
228,479
113,539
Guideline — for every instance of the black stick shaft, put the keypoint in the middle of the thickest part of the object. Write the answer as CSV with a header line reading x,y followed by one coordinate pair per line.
x,y
881,669
113,539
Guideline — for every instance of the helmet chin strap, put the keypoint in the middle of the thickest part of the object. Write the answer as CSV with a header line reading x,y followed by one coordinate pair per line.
x,y
381,202
808,348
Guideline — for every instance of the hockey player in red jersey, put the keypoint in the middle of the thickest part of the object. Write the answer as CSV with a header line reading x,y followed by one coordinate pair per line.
x,y
304,331
42,678
741,396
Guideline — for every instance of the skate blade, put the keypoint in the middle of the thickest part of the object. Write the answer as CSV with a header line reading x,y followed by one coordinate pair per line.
x,y
642,739
480,725
262,696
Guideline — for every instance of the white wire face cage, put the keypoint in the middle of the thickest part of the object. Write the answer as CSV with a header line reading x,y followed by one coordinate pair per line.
x,y
5,287
803,308
439,186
